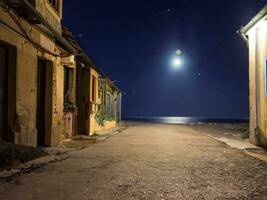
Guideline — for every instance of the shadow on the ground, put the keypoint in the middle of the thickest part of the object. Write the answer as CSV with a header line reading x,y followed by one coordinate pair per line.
x,y
12,155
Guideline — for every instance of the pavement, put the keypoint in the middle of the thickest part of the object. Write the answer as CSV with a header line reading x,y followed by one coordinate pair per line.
x,y
25,159
146,161
231,134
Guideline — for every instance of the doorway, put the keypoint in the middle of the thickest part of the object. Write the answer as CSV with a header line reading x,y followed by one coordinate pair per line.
x,y
8,69
83,99
3,93
44,102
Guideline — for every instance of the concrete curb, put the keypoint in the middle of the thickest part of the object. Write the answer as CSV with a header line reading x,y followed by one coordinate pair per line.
x,y
29,166
101,136
105,135
256,155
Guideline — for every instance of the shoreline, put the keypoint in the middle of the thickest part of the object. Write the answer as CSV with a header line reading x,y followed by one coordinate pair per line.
x,y
188,120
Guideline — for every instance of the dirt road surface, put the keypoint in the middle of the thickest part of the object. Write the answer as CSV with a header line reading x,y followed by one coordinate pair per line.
x,y
146,161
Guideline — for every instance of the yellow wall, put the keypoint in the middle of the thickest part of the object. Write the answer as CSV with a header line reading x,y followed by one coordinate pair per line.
x,y
26,83
94,73
108,125
94,103
261,37
94,126
50,14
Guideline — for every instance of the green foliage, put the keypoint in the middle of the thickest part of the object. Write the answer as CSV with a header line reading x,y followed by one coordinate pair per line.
x,y
69,107
101,119
109,118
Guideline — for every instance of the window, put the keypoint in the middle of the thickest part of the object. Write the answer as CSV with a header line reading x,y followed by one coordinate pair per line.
x,y
54,4
108,105
101,87
68,81
93,88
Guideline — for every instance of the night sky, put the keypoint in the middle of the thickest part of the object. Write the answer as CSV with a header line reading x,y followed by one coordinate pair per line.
x,y
133,42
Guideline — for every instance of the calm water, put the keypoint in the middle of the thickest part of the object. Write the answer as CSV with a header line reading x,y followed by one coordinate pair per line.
x,y
186,120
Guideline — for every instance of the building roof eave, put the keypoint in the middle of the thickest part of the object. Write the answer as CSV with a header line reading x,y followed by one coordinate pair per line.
x,y
81,55
112,84
25,8
255,20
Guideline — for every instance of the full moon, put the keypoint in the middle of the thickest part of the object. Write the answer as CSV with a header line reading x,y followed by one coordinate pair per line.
x,y
177,62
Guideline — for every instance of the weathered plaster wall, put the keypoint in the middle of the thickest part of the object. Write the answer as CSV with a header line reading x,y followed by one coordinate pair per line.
x,y
94,104
108,125
58,100
257,60
94,126
26,83
50,14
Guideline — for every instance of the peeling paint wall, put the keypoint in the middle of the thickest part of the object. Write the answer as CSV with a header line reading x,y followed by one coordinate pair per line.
x,y
97,105
94,102
257,61
108,125
58,101
52,16
26,82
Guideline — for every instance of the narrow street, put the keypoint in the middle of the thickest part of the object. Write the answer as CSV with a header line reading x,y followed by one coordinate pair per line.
x,y
146,161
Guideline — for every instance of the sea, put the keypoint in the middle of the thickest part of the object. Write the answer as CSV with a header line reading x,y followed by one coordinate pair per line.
x,y
188,120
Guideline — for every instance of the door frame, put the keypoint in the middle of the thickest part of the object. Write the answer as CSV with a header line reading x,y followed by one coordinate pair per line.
x,y
11,98
48,103
82,98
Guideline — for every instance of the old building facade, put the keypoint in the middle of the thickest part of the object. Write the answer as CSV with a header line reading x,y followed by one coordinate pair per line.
x,y
95,115
108,115
255,35
49,88
33,59
88,94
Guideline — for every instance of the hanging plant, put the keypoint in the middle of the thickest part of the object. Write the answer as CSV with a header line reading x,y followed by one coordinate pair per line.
x,y
69,107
